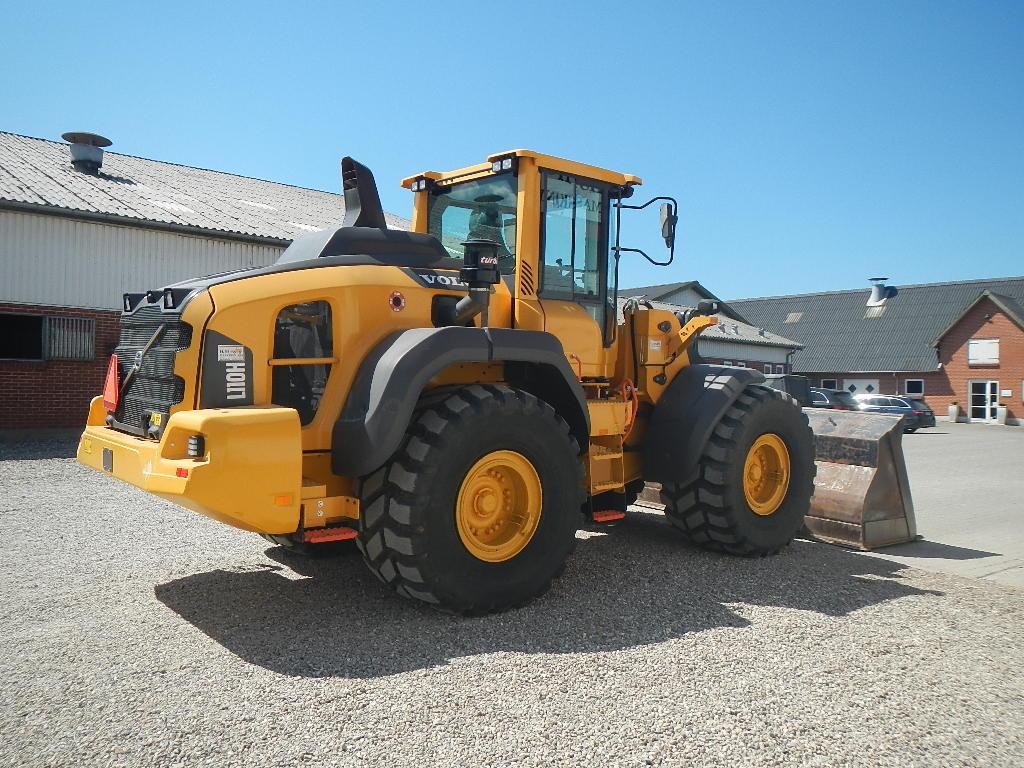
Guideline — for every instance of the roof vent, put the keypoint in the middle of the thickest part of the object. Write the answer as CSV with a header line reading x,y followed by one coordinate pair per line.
x,y
880,292
86,150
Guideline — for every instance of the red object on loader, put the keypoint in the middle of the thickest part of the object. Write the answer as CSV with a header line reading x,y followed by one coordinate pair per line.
x,y
112,385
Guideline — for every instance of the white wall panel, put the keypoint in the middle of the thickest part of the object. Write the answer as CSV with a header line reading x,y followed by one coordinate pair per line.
x,y
58,261
733,350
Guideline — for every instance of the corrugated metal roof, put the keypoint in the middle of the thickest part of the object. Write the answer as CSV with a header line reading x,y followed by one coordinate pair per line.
x,y
840,335
657,291
664,290
37,174
729,330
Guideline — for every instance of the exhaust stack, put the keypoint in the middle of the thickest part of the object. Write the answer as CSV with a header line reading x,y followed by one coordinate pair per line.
x,y
86,150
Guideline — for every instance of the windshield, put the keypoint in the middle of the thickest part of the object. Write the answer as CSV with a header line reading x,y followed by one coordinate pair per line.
x,y
483,208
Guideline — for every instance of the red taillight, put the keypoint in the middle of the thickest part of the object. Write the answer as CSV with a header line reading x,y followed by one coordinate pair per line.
x,y
918,413
112,385
843,408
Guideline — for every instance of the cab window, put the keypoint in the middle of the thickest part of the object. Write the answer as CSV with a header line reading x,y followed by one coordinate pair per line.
x,y
574,239
302,333
482,208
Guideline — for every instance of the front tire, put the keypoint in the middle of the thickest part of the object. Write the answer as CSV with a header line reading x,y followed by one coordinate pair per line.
x,y
476,511
755,478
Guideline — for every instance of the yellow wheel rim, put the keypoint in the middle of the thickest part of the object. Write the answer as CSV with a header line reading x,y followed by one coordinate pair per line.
x,y
766,474
498,508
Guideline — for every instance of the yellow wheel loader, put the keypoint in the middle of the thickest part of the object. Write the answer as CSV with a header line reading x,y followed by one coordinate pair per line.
x,y
458,398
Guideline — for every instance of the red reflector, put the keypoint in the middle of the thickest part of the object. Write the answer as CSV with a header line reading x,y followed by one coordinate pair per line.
x,y
338,533
918,413
111,385
181,472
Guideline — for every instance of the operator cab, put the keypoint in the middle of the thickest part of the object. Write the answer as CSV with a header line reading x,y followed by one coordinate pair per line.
x,y
556,225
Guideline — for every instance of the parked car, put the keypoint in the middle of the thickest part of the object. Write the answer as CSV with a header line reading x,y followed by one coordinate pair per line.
x,y
915,411
836,399
792,384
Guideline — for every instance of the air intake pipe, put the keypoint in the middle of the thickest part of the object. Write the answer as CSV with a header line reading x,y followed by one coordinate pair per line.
x,y
479,271
362,201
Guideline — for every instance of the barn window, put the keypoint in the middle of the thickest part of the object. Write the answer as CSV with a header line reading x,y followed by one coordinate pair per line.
x,y
983,352
70,338
38,337
830,384
913,386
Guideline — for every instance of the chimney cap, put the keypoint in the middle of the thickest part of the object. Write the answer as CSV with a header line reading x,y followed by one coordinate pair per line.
x,y
877,279
84,137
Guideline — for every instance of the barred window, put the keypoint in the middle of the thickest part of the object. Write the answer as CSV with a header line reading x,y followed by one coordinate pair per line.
x,y
70,338
38,337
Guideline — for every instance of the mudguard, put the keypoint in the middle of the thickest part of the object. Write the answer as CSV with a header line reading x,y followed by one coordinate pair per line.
x,y
686,414
391,379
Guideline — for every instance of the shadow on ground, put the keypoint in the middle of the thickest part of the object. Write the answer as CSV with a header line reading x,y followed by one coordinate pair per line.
x,y
17,447
934,549
638,584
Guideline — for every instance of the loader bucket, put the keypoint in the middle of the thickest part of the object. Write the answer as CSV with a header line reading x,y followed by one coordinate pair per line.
x,y
861,492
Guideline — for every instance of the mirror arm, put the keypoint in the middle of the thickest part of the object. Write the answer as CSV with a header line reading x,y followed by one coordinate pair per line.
x,y
671,255
675,205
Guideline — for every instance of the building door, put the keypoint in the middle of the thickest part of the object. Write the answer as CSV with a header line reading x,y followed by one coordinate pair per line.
x,y
984,397
861,386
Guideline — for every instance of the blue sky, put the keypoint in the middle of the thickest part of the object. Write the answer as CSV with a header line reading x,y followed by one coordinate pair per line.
x,y
811,145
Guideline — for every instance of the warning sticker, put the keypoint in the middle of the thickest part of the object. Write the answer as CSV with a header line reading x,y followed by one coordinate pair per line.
x,y
230,353
655,345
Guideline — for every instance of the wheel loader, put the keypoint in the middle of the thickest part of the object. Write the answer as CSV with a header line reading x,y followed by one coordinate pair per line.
x,y
458,398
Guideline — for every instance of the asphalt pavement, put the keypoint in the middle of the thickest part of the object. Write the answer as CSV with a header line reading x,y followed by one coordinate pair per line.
x,y
967,481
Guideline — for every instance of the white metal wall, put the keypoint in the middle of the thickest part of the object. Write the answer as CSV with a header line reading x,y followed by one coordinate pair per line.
x,y
56,261
731,350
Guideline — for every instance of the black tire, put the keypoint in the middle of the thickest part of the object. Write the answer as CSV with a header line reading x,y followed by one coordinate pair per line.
x,y
712,510
296,546
408,533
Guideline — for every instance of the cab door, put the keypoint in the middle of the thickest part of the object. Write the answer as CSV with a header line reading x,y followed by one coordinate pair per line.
x,y
575,293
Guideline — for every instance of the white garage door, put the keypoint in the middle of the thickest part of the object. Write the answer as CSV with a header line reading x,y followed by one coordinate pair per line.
x,y
860,386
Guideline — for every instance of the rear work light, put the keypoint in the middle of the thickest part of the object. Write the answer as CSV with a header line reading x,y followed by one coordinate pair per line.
x,y
112,385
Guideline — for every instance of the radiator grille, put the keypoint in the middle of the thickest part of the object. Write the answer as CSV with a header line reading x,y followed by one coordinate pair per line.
x,y
154,388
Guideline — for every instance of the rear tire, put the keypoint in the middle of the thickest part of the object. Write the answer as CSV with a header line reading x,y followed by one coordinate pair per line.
x,y
714,511
410,530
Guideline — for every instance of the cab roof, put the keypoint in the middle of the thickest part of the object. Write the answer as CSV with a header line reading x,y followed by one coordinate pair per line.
x,y
544,161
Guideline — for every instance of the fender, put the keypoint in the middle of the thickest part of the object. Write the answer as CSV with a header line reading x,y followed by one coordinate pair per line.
x,y
391,378
685,416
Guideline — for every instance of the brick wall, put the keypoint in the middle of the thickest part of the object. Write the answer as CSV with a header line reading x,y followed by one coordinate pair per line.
x,y
54,393
985,321
952,381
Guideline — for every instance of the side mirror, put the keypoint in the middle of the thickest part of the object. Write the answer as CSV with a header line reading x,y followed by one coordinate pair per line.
x,y
668,224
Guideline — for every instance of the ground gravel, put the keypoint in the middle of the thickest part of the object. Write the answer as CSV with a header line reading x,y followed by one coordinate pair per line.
x,y
137,633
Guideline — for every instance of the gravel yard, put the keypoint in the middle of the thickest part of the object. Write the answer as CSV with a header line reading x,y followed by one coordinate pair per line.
x,y
140,633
